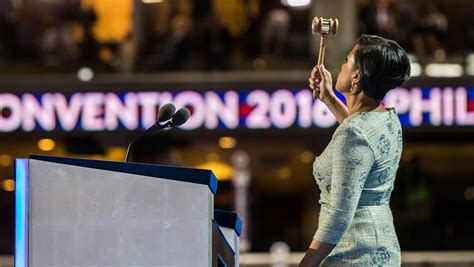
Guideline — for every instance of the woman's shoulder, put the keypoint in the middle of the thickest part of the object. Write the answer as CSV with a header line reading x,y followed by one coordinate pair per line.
x,y
351,129
371,127
352,124
372,124
382,131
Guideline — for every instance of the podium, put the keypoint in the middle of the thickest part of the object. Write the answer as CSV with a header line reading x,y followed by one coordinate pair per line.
x,y
78,212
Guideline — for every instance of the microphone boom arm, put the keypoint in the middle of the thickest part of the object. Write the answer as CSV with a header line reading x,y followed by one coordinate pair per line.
x,y
155,126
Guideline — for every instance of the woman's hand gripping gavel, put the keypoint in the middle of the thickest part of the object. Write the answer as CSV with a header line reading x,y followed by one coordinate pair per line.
x,y
321,78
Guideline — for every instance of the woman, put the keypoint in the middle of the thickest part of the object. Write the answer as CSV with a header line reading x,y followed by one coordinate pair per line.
x,y
356,171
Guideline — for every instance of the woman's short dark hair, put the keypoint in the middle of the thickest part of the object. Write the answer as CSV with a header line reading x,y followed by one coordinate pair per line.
x,y
383,64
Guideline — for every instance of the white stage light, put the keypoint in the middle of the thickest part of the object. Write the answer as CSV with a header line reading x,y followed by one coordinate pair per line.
x,y
415,69
296,3
85,74
443,70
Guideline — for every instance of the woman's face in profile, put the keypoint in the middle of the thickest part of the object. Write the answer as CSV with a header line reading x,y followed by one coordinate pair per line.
x,y
347,73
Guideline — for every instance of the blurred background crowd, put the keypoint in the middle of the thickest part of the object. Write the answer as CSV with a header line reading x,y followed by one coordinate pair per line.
x,y
127,36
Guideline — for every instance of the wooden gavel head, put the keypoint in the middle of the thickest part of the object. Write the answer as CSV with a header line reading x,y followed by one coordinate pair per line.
x,y
325,26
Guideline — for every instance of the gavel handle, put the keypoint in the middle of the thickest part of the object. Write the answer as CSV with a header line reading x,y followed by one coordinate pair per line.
x,y
322,50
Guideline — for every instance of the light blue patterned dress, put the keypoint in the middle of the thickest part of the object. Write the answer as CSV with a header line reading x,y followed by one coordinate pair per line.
x,y
356,174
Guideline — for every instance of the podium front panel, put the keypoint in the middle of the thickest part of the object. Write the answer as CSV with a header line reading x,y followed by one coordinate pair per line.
x,y
80,216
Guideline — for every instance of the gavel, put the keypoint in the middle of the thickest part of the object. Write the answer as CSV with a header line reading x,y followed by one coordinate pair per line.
x,y
324,27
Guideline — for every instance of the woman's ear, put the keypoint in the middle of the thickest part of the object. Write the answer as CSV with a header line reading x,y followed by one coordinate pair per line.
x,y
356,76
355,82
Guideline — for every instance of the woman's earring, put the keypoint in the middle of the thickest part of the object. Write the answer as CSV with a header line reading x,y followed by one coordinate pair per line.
x,y
352,86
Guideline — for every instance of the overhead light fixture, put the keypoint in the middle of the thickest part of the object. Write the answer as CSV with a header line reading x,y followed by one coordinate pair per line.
x,y
46,144
85,74
227,142
415,69
8,185
443,70
152,1
296,3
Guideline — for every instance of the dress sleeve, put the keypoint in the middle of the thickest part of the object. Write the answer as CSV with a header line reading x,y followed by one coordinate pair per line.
x,y
352,159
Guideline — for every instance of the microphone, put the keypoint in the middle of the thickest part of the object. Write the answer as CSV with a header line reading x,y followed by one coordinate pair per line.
x,y
180,117
166,112
167,118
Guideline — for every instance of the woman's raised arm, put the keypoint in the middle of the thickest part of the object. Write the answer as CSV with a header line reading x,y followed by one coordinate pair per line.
x,y
321,82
